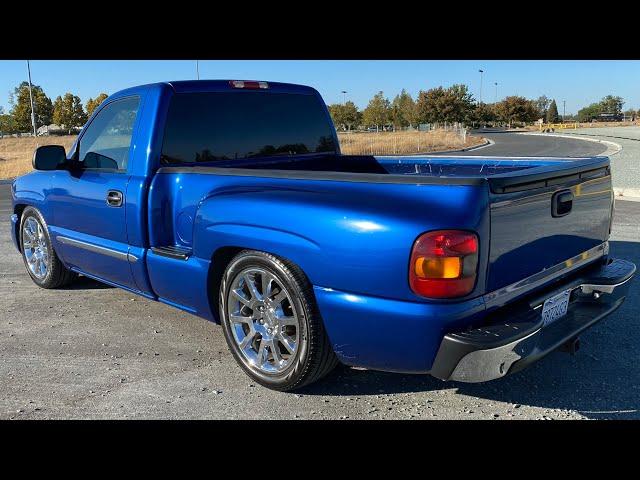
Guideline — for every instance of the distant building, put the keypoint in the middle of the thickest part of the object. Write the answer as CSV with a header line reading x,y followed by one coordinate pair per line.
x,y
609,117
54,129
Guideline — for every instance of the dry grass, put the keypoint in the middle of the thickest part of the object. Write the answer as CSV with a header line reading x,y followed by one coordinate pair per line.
x,y
399,143
16,153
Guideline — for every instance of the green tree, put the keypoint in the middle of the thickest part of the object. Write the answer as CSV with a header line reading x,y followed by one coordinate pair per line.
x,y
378,111
21,107
428,104
7,124
517,109
484,113
552,113
611,104
590,112
542,105
335,110
345,116
94,103
463,101
403,110
453,104
68,112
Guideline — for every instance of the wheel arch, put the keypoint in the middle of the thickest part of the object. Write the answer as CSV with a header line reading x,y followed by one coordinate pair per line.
x,y
220,261
18,209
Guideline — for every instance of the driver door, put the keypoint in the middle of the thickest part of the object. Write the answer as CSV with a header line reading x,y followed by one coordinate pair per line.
x,y
89,201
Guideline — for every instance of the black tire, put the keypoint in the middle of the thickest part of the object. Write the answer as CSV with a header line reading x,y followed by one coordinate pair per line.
x,y
57,274
314,357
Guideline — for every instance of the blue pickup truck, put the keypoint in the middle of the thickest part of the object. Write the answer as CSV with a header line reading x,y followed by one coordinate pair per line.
x,y
231,200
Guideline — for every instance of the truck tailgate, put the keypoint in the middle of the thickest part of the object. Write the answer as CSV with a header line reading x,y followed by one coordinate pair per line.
x,y
545,216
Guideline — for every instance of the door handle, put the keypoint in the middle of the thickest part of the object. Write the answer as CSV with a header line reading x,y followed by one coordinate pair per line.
x,y
114,198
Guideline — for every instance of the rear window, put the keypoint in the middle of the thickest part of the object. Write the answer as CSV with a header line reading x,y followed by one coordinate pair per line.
x,y
206,127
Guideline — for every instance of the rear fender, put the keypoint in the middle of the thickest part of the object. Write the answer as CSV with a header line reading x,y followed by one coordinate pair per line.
x,y
352,237
289,245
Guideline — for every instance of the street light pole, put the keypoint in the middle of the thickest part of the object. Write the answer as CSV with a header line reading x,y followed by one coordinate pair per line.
x,y
197,69
481,72
496,100
564,109
344,97
33,115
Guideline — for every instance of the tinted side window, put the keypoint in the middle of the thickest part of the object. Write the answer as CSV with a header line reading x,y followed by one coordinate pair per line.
x,y
205,127
105,144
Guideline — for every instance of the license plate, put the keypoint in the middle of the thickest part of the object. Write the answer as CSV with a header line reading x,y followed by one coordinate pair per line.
x,y
555,307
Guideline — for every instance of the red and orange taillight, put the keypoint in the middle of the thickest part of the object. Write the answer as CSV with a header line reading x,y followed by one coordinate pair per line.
x,y
444,264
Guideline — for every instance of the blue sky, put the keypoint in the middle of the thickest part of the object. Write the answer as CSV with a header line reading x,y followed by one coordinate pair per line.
x,y
577,82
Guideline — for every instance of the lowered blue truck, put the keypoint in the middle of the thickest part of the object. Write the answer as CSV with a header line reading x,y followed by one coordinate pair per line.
x,y
231,200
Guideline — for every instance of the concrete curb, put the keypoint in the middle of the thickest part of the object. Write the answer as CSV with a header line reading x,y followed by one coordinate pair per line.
x,y
632,194
612,149
608,136
487,143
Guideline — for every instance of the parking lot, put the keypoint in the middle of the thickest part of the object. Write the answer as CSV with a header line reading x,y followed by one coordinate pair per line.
x,y
626,163
92,351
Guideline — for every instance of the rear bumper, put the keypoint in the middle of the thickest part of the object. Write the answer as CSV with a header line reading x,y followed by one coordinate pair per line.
x,y
515,337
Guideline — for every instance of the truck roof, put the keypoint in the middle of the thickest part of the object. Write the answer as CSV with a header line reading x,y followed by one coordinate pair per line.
x,y
200,86
193,86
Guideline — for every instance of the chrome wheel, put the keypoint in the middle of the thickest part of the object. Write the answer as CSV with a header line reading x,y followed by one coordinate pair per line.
x,y
263,320
34,246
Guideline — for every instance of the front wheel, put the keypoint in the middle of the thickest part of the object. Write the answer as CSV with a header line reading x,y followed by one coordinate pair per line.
x,y
43,265
271,322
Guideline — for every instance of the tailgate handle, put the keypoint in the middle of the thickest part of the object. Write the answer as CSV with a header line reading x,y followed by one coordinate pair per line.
x,y
561,203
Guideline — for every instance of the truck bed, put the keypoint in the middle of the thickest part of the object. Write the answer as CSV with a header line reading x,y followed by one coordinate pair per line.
x,y
523,237
502,173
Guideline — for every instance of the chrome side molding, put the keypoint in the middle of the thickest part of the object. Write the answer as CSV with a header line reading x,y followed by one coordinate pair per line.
x,y
97,249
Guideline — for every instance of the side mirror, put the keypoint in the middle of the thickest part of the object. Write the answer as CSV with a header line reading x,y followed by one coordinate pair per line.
x,y
49,157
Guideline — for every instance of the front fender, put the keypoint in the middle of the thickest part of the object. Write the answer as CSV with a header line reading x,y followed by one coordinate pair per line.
x,y
31,190
28,191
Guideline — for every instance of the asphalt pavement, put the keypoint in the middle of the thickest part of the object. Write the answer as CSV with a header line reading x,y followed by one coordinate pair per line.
x,y
626,163
513,143
92,351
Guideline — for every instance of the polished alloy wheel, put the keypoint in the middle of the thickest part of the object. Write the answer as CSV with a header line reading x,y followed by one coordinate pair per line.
x,y
263,320
34,246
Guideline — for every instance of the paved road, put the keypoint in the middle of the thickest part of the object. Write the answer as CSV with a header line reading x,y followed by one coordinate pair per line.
x,y
626,164
91,351
517,144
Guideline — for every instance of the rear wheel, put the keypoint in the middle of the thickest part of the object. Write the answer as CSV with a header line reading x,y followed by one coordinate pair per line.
x,y
43,265
271,322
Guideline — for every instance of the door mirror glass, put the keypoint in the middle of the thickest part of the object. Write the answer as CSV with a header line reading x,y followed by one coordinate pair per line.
x,y
99,161
49,157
